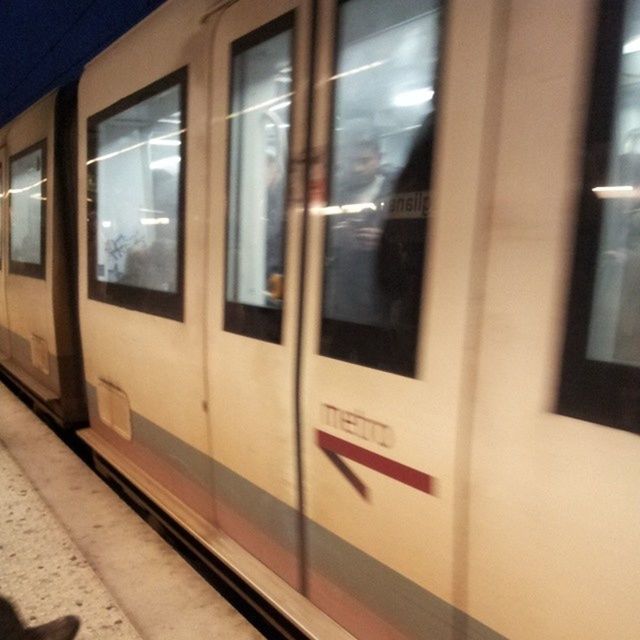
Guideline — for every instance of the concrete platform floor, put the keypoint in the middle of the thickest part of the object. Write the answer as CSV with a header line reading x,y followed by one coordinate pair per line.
x,y
69,545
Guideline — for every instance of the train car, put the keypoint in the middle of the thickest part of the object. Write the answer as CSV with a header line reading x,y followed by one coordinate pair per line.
x,y
39,341
329,317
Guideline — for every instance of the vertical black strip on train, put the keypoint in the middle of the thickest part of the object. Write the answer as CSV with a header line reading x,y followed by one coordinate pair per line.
x,y
311,81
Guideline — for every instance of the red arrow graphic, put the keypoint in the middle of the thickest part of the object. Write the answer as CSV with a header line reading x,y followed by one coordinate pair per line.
x,y
381,464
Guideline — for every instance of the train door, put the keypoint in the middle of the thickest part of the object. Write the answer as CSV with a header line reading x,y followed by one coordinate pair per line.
x,y
260,65
340,273
4,325
401,158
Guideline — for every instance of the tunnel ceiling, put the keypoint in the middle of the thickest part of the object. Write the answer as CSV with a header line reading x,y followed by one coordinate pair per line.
x,y
44,44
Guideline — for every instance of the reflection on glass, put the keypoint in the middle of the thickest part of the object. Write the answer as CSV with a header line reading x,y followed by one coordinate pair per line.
x,y
135,188
28,196
259,150
614,330
386,62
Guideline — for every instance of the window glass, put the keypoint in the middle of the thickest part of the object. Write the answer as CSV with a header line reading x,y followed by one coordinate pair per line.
x,y
135,184
260,112
27,210
614,330
385,82
600,379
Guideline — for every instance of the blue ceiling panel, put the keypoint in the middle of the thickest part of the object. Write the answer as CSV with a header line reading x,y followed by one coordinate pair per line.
x,y
45,43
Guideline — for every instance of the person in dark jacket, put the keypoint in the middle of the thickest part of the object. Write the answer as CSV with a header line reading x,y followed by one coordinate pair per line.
x,y
352,290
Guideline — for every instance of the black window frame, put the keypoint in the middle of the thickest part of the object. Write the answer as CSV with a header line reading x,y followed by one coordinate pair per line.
x,y
605,393
261,323
164,304
361,344
17,267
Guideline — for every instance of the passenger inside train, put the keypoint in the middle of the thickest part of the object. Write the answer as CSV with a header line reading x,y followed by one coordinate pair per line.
x,y
382,127
260,125
353,291
274,207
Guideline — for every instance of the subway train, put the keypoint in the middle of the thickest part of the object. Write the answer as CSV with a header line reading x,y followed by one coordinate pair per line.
x,y
331,282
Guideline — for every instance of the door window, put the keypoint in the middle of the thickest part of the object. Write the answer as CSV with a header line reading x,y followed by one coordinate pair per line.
x,y
382,138
259,133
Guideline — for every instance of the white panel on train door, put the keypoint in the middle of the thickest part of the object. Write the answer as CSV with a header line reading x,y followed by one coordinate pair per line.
x,y
390,257
4,324
260,61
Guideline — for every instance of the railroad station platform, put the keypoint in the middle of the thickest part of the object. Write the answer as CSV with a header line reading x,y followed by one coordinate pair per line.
x,y
70,545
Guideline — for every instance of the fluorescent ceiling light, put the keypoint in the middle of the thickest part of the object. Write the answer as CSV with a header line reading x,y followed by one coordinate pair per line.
x,y
280,105
414,97
160,142
113,154
616,191
365,67
262,105
632,46
28,188
348,208
168,163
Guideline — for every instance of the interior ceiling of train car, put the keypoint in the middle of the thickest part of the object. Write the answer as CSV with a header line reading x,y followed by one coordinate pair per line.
x,y
44,44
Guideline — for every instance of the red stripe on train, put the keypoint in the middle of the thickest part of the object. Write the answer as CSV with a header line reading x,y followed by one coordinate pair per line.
x,y
402,473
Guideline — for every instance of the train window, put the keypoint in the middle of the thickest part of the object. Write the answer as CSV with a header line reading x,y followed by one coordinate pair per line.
x,y
259,132
601,374
27,210
136,199
383,120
